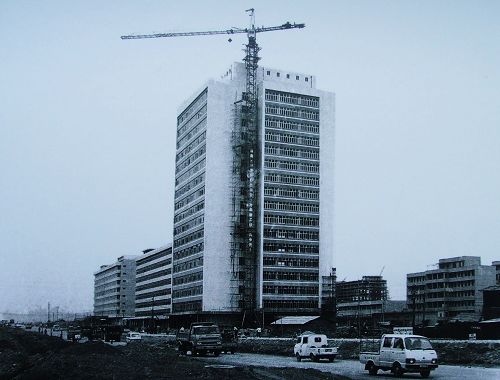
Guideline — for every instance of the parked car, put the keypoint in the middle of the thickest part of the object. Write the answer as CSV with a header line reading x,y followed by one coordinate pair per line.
x,y
314,347
400,353
133,337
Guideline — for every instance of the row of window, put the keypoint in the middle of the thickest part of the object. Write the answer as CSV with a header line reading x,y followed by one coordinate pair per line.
x,y
156,293
291,220
159,264
188,292
190,211
290,304
188,251
194,169
298,290
202,98
298,113
292,165
184,164
152,304
291,192
188,238
155,284
291,179
291,248
290,98
290,125
195,263
101,280
278,74
186,306
190,185
164,253
187,226
459,294
441,305
290,276
291,139
189,198
272,233
197,128
276,150
192,121
290,206
184,152
151,276
290,262
198,276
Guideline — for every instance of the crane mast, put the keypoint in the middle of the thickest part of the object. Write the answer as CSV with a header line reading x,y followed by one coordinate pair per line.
x,y
244,249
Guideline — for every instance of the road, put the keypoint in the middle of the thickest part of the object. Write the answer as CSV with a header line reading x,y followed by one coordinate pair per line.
x,y
353,369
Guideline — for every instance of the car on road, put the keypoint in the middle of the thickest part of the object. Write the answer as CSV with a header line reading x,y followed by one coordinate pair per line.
x,y
133,337
314,347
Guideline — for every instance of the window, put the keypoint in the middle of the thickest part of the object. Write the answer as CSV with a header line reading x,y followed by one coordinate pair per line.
x,y
307,79
268,72
387,342
297,77
304,339
398,343
278,75
287,76
317,339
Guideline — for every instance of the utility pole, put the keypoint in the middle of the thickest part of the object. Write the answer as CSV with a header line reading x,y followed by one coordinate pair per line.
x,y
48,312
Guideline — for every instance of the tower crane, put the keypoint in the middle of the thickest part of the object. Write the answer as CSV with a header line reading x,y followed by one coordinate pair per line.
x,y
244,245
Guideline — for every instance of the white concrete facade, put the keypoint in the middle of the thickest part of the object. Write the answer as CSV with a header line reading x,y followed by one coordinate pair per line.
x,y
114,288
202,267
153,288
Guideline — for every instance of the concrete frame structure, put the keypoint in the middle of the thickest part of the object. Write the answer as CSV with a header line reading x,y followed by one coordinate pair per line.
x,y
496,264
454,288
295,196
114,288
153,283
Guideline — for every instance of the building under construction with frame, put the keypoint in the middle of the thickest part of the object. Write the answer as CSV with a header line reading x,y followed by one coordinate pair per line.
x,y
253,223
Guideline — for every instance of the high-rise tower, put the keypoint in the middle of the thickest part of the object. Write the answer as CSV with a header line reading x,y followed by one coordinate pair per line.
x,y
293,204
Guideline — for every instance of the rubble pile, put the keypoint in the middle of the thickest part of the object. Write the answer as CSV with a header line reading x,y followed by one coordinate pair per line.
x,y
27,355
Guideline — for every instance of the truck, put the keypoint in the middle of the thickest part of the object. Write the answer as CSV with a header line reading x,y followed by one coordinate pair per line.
x,y
314,347
229,340
400,354
200,339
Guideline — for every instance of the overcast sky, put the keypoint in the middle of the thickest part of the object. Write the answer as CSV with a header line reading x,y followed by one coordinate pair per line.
x,y
87,130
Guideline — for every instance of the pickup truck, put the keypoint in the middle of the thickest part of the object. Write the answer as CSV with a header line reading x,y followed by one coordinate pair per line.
x,y
201,338
314,347
401,353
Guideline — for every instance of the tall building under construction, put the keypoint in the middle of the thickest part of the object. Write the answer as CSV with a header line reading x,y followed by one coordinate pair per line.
x,y
253,220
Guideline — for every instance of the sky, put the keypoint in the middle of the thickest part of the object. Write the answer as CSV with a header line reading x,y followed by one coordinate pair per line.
x,y
87,130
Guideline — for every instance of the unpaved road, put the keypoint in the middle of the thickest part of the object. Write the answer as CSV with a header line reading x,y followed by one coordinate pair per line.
x,y
354,369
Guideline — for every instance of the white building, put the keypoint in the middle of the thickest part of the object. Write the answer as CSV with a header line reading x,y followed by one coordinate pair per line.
x,y
114,288
294,201
453,290
153,286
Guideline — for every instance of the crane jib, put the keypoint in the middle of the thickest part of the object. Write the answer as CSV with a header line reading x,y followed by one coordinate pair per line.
x,y
214,32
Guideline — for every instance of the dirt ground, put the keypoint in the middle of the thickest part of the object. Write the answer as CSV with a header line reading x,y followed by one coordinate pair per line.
x,y
28,355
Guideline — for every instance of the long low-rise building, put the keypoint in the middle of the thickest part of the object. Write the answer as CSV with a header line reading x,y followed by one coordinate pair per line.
x,y
153,292
452,291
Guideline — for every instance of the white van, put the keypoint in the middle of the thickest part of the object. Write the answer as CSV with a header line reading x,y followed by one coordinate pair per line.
x,y
314,347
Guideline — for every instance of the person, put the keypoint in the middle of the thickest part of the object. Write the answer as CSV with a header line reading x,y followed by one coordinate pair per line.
x,y
259,331
398,343
235,332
